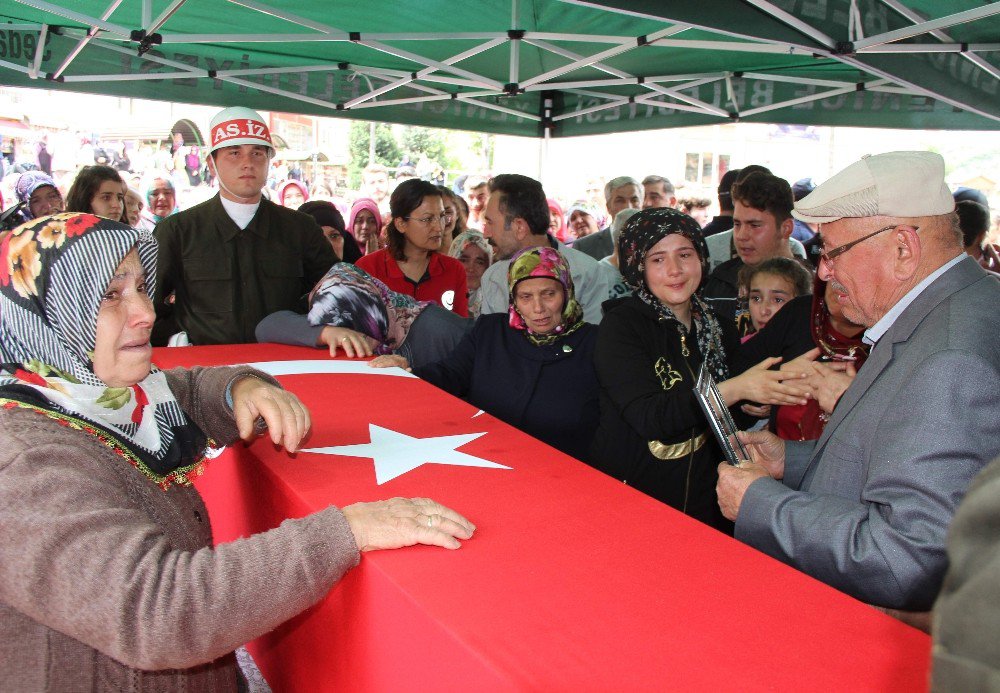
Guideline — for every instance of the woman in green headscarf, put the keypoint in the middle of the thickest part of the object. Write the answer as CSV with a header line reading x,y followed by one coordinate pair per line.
x,y
532,367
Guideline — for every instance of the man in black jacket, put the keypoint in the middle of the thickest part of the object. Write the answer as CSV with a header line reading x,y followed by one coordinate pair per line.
x,y
228,262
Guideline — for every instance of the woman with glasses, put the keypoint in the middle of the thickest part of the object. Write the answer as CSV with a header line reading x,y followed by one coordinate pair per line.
x,y
411,264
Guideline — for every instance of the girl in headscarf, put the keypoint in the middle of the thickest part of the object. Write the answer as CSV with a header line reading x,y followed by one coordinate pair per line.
x,y
474,252
652,433
366,224
810,328
533,366
109,578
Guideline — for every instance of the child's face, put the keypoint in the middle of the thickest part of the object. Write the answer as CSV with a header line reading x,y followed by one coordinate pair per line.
x,y
768,293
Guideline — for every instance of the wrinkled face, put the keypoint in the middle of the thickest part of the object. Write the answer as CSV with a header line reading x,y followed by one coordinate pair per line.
x,y
540,302
377,185
161,198
499,233
424,226
477,199
242,171
673,271
133,205
768,293
757,235
860,279
582,223
475,261
656,196
109,200
293,197
365,226
624,197
45,200
336,239
122,353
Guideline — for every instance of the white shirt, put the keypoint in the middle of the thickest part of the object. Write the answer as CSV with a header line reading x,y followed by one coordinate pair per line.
x,y
591,284
241,214
875,332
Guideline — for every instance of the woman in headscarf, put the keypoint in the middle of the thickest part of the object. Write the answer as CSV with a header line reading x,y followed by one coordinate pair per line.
x,y
474,252
292,193
652,433
532,367
109,578
557,221
39,194
161,199
810,328
331,221
352,311
366,224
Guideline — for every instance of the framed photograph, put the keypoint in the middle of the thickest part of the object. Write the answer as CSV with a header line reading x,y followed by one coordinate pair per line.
x,y
719,418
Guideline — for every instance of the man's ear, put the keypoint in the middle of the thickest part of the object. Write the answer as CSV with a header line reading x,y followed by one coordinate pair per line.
x,y
906,252
786,228
521,229
210,162
673,202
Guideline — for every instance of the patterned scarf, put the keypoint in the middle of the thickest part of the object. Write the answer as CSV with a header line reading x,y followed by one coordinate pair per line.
x,y
53,274
642,232
545,262
350,297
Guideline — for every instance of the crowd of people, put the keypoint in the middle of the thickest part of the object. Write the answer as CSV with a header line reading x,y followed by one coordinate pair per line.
x,y
851,329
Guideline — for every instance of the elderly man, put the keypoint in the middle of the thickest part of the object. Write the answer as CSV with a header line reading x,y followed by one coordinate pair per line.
x,y
476,191
620,193
866,507
658,192
516,217
229,262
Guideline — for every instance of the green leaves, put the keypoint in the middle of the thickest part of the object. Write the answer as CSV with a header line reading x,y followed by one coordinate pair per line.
x,y
115,397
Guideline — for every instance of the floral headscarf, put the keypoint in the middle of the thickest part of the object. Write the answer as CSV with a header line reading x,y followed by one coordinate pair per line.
x,y
458,246
53,274
548,263
642,232
350,297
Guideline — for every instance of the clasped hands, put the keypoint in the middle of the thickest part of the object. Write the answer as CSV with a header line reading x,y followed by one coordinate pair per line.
x,y
793,383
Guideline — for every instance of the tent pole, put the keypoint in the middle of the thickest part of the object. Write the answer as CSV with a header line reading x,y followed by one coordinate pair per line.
x,y
39,52
925,27
103,24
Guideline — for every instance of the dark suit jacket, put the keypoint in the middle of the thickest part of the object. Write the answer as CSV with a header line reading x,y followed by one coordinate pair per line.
x,y
866,507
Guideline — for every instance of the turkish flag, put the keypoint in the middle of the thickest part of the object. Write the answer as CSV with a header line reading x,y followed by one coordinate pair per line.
x,y
573,581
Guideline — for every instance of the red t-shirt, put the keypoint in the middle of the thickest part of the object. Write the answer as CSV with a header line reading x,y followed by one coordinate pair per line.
x,y
444,283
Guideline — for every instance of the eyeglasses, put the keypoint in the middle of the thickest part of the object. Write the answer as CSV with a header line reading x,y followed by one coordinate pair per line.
x,y
830,255
431,219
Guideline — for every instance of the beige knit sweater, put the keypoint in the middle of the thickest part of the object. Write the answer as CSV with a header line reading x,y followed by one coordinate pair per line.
x,y
109,583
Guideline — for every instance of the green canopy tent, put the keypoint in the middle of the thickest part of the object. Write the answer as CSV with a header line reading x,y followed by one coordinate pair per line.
x,y
549,68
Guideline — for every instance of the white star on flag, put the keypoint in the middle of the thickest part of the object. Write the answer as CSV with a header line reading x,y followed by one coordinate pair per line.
x,y
396,453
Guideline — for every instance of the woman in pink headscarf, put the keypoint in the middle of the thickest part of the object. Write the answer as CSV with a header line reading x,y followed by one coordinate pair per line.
x,y
292,193
366,224
557,220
